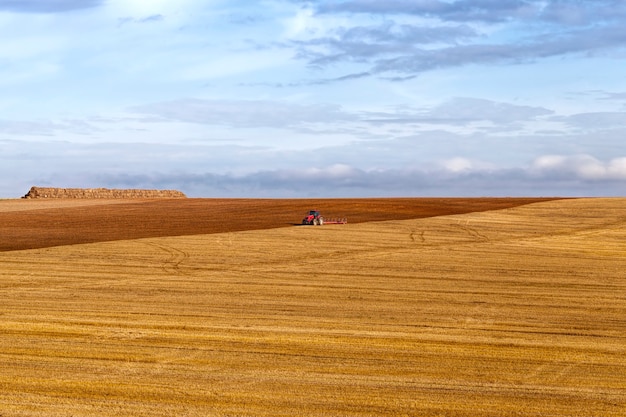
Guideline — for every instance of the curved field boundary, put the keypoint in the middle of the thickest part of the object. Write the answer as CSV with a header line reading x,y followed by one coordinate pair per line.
x,y
31,224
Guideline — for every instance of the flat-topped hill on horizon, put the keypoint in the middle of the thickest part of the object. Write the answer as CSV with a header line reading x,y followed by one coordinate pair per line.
x,y
101,193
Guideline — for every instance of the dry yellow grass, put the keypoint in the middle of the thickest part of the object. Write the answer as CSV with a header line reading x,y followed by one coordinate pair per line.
x,y
506,313
10,205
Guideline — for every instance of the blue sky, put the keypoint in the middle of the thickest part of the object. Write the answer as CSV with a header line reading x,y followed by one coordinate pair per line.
x,y
289,98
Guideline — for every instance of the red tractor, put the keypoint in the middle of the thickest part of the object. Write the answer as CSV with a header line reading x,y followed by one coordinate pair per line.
x,y
314,217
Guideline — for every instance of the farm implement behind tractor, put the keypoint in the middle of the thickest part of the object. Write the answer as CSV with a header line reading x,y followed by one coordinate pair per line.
x,y
315,218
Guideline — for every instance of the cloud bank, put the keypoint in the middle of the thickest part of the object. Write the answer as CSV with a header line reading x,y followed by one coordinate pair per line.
x,y
443,34
568,174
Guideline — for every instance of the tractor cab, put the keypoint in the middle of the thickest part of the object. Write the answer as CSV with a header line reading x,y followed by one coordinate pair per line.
x,y
314,217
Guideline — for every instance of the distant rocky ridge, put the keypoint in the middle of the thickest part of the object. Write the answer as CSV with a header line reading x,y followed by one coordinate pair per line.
x,y
102,193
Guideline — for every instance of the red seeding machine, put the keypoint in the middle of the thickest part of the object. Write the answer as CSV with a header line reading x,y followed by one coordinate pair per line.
x,y
315,218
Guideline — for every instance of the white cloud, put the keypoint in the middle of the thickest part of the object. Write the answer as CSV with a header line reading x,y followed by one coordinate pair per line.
x,y
617,168
582,167
458,164
333,172
301,23
597,120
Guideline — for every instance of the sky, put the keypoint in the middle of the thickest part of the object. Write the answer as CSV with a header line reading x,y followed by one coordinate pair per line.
x,y
289,98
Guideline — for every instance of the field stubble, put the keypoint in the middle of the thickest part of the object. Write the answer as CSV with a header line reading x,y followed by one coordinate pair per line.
x,y
503,313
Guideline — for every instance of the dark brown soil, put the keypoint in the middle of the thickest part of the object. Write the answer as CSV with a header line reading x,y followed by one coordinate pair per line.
x,y
40,228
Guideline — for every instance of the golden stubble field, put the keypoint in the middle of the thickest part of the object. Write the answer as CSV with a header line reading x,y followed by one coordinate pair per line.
x,y
513,312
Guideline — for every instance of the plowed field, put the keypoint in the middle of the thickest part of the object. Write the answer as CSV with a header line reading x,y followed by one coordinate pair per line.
x,y
473,308
29,224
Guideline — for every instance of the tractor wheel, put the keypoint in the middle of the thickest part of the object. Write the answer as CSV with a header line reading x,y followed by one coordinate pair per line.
x,y
315,222
321,221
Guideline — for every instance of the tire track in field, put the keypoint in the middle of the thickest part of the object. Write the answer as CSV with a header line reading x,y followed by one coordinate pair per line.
x,y
175,257
473,232
417,236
